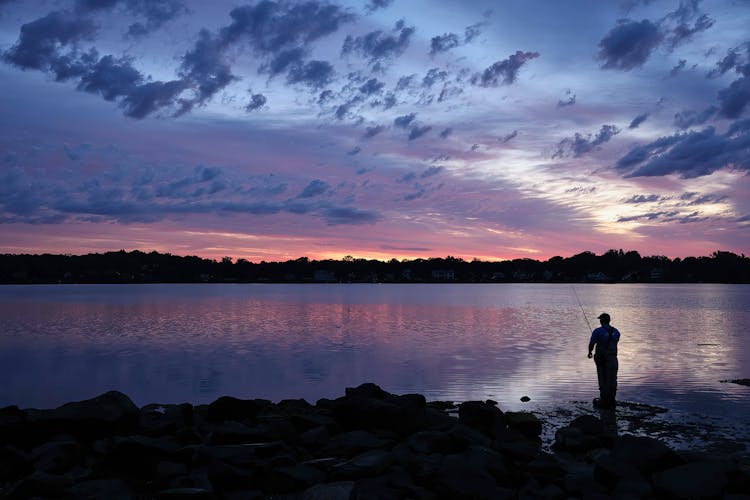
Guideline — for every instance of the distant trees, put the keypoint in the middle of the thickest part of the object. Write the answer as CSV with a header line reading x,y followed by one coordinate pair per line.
x,y
152,267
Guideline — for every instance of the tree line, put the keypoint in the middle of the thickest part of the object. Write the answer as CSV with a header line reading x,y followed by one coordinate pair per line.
x,y
613,266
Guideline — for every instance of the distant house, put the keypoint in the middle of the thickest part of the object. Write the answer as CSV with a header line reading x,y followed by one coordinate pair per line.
x,y
324,276
443,274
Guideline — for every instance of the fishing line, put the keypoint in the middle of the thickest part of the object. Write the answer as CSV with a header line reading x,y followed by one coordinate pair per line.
x,y
581,306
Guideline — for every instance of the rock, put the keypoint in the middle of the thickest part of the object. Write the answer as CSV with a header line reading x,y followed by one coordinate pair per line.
x,y
647,454
158,420
340,490
291,478
14,464
427,442
57,457
12,421
484,417
229,408
692,480
231,432
110,413
458,479
525,399
369,463
187,493
368,407
349,444
111,489
525,423
533,489
40,484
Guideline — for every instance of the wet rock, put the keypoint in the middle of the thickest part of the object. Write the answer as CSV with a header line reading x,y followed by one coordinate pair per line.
x,y
368,407
646,454
427,442
229,408
111,489
349,444
692,480
525,423
525,399
158,420
340,490
484,417
56,457
110,413
369,463
584,434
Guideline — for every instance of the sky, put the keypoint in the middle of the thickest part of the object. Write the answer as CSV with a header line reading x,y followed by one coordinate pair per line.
x,y
272,130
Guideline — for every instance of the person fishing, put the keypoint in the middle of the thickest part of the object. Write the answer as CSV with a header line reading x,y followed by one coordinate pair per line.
x,y
605,339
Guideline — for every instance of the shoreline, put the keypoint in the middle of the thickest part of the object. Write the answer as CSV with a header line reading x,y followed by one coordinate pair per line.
x,y
367,443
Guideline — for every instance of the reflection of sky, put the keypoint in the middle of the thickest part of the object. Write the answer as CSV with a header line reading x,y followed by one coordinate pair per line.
x,y
172,343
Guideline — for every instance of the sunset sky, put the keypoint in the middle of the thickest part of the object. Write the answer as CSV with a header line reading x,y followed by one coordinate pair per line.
x,y
375,128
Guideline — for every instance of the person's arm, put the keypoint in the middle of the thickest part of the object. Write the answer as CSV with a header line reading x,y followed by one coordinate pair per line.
x,y
592,343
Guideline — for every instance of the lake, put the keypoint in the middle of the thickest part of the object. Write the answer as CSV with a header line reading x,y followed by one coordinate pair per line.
x,y
174,343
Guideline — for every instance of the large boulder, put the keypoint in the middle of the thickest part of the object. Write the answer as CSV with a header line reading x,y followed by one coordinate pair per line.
x,y
585,433
368,407
524,422
110,413
229,408
692,480
485,417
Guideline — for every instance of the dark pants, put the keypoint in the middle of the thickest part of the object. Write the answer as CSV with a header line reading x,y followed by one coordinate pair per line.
x,y
606,372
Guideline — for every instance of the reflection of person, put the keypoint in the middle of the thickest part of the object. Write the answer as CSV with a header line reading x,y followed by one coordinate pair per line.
x,y
605,339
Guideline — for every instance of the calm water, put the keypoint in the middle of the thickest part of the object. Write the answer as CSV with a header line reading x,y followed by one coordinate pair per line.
x,y
175,343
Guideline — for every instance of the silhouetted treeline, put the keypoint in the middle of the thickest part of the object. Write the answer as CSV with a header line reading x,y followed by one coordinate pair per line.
x,y
140,267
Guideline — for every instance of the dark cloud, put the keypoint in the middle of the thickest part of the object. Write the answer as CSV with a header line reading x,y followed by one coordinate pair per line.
x,y
647,216
355,151
205,68
257,101
640,198
155,12
344,215
373,5
405,82
314,74
416,131
444,43
371,132
684,32
734,99
504,71
405,120
737,59
40,42
87,6
688,118
372,86
446,132
430,171
473,31
314,188
691,154
433,76
629,44
579,145
377,46
707,199
151,97
638,120
679,67
510,136
112,78
285,59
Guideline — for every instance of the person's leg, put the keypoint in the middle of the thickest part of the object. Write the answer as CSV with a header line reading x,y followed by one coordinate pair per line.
x,y
610,385
601,375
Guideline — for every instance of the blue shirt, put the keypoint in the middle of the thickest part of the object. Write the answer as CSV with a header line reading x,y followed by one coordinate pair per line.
x,y
604,343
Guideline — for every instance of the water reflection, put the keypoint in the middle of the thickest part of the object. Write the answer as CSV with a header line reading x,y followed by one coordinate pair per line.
x,y
174,343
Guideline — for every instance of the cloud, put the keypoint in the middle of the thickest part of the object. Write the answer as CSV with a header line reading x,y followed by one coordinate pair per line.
x,y
314,188
683,32
112,78
734,60
345,215
444,43
257,101
372,86
433,76
204,67
416,131
504,71
638,120
734,99
629,44
405,120
371,132
430,171
688,118
373,5
510,136
155,12
473,31
640,198
570,99
355,151
377,46
314,74
679,67
446,132
579,145
39,43
691,154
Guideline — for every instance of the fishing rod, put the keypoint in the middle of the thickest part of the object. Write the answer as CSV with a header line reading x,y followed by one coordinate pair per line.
x,y
581,306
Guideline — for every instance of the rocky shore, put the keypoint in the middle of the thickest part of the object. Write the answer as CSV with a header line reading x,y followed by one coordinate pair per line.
x,y
367,444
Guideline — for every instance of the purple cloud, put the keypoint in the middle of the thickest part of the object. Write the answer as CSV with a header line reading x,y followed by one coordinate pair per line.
x,y
629,44
504,71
